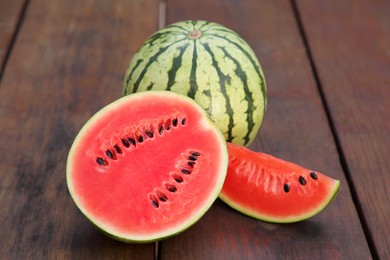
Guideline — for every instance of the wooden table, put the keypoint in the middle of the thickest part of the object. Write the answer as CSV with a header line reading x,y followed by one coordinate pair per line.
x,y
327,66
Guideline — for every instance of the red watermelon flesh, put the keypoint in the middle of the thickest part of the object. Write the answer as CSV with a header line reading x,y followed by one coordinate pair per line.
x,y
274,190
147,166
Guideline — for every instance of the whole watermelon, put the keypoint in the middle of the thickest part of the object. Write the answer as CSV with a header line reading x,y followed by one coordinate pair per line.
x,y
209,63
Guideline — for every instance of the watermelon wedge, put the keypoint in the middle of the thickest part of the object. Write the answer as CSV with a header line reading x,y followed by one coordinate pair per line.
x,y
147,166
274,190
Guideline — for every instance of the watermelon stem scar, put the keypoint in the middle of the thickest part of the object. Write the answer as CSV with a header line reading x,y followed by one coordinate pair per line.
x,y
195,34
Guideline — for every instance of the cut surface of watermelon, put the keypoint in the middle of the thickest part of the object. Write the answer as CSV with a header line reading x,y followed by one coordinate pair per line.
x,y
147,166
270,189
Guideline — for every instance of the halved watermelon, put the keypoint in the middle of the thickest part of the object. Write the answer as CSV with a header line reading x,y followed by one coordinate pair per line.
x,y
147,166
274,190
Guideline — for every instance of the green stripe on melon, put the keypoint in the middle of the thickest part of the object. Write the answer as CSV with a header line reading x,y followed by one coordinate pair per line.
x,y
209,63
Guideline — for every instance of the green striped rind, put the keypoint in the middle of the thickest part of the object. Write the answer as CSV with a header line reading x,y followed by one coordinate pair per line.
x,y
219,70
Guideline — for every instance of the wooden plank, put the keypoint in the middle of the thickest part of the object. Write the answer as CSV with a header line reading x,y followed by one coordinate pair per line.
x,y
295,129
350,45
67,62
10,14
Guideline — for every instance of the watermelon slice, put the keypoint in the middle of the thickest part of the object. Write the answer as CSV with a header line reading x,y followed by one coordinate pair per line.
x,y
147,166
274,190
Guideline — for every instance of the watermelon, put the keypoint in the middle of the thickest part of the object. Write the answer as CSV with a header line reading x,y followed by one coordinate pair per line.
x,y
147,166
271,189
209,63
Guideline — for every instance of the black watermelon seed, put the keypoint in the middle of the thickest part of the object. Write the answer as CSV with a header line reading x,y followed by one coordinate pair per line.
x,y
177,178
170,187
140,139
161,130
125,143
302,180
168,124
109,154
192,158
162,197
148,133
100,161
195,153
154,200
174,122
183,121
313,175
286,187
154,203
117,149
185,171
191,163
132,141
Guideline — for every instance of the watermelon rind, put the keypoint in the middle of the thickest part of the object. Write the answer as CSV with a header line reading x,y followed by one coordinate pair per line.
x,y
145,238
263,217
211,64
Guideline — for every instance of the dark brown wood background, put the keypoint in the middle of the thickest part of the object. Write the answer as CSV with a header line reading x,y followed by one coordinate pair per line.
x,y
327,66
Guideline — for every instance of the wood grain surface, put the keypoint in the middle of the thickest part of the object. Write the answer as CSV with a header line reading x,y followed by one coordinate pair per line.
x,y
67,63
10,17
326,65
351,55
